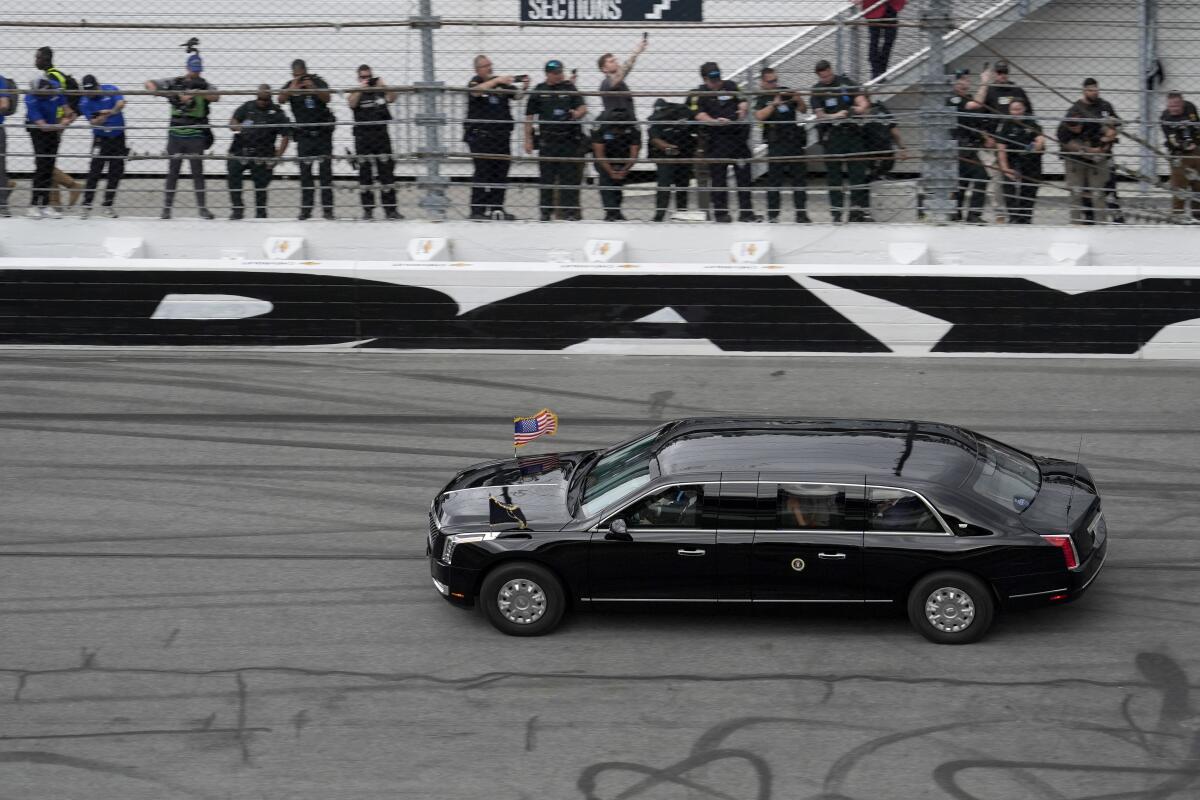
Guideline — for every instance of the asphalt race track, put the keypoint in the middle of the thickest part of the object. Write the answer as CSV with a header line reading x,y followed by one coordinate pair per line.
x,y
213,585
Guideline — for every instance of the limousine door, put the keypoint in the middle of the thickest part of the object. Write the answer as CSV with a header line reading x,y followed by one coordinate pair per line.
x,y
667,551
813,551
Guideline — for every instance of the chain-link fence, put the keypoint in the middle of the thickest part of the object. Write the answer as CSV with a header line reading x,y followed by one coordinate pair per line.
x,y
706,110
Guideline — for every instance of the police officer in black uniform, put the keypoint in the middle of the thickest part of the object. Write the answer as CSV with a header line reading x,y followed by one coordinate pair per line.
x,y
777,109
728,141
488,132
256,125
373,144
833,101
971,125
558,108
309,97
672,142
616,142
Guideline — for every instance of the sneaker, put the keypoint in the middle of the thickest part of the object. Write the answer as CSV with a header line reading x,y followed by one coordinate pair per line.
x,y
237,213
35,212
50,212
391,213
749,216
328,215
500,215
260,214
85,212
305,214
368,215
802,218
110,212
659,216
205,214
166,214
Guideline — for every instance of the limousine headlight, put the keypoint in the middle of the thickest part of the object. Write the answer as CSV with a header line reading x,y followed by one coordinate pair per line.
x,y
455,539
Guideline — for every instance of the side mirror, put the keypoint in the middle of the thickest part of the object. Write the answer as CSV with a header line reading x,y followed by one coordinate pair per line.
x,y
617,529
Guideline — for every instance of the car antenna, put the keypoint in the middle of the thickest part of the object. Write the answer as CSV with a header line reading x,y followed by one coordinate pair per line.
x,y
1074,475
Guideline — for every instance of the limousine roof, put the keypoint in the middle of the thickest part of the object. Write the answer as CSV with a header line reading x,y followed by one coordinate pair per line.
x,y
927,451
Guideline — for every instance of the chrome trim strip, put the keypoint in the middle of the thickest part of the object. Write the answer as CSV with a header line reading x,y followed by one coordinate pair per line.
x,y
1035,594
1096,573
498,487
441,587
675,600
822,601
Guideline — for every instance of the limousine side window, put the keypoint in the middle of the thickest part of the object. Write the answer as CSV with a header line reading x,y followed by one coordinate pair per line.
x,y
811,506
672,507
900,511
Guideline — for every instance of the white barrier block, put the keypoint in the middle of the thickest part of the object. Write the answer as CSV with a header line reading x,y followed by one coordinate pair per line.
x,y
604,251
429,249
1076,254
909,253
750,252
283,248
210,306
125,246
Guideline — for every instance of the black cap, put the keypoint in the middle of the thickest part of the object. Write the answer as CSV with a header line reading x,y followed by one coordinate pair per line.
x,y
554,65
1090,82
710,69
961,73
89,82
822,65
1001,66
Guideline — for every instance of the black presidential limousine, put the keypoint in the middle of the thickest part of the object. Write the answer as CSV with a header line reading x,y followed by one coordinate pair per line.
x,y
772,511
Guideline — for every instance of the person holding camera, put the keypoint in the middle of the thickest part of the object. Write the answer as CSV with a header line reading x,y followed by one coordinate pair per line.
x,y
777,108
104,113
672,145
256,125
726,114
558,108
487,132
190,133
617,93
373,143
1181,132
833,100
309,95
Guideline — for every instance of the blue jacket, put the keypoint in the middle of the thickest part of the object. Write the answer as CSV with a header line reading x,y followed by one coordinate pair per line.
x,y
44,106
93,104
7,90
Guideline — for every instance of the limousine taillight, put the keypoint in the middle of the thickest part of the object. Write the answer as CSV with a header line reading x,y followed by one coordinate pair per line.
x,y
1063,542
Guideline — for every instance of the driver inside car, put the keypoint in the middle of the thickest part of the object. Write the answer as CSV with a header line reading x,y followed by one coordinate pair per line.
x,y
674,507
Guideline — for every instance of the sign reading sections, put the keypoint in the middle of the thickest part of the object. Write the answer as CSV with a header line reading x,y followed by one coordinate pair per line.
x,y
612,10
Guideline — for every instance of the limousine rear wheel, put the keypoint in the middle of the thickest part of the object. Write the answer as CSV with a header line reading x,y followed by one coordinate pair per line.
x,y
951,608
522,599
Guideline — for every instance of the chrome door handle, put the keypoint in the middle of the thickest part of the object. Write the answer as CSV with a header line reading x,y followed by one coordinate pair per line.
x,y
831,555
690,552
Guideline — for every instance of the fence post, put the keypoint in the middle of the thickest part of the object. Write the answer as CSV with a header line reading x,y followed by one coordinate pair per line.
x,y
839,44
855,49
1147,52
939,169
430,118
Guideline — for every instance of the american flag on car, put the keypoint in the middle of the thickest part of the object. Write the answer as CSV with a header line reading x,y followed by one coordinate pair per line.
x,y
526,429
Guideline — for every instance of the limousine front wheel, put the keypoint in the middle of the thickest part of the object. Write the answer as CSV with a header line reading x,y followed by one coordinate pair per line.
x,y
522,599
951,608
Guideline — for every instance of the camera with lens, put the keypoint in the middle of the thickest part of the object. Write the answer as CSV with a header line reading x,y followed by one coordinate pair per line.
x,y
520,78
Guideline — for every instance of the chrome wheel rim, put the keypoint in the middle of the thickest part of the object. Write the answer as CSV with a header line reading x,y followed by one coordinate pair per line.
x,y
521,601
950,609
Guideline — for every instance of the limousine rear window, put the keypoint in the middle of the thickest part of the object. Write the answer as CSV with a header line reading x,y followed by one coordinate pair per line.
x,y
618,473
1006,477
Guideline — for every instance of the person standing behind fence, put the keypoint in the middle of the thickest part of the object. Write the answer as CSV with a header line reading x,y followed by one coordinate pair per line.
x,y
1086,168
996,92
777,108
256,125
47,114
487,131
672,143
373,143
1092,106
104,113
882,25
190,134
615,74
309,96
557,106
616,143
833,98
8,104
1181,132
881,139
727,115
1019,146
971,132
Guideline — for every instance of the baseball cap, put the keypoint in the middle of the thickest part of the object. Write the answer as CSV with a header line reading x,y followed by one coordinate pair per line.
x,y
710,69
1001,66
822,65
194,63
89,83
961,73
554,65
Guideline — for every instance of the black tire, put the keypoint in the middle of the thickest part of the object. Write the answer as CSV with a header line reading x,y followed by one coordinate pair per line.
x,y
962,596
532,592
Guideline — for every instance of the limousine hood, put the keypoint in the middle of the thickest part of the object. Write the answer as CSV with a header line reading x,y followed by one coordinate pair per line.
x,y
537,485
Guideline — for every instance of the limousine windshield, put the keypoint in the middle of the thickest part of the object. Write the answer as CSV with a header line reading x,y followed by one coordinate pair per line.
x,y
618,473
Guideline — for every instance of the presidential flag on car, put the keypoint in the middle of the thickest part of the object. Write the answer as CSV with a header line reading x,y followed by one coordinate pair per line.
x,y
502,513
526,429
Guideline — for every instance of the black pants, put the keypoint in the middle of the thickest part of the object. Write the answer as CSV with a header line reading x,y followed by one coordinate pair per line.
x,y
611,198
671,176
374,149
783,175
846,142
260,173
45,149
1019,197
315,148
722,150
108,153
563,176
487,182
882,38
192,146
972,184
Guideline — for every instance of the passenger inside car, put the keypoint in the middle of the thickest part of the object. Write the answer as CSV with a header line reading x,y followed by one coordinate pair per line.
x,y
803,506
